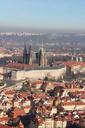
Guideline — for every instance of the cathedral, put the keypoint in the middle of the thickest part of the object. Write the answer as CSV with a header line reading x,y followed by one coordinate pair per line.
x,y
27,55
41,58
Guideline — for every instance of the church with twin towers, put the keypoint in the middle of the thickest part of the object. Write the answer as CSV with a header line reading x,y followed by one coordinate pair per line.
x,y
40,56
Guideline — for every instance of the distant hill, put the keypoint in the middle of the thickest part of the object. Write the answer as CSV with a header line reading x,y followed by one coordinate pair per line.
x,y
49,39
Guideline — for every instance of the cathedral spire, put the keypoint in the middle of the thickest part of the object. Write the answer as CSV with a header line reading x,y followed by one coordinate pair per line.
x,y
25,49
42,57
30,55
25,54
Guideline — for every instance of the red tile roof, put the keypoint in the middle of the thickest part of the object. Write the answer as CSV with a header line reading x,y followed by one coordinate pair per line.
x,y
74,103
18,112
4,126
19,65
74,63
3,119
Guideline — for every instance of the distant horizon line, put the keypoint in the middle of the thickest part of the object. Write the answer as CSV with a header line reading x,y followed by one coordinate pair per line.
x,y
39,30
42,32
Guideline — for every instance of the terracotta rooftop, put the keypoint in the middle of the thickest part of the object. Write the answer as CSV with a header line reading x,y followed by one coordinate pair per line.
x,y
74,63
19,65
4,126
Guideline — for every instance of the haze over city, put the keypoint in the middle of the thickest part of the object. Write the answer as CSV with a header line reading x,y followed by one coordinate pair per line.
x,y
42,15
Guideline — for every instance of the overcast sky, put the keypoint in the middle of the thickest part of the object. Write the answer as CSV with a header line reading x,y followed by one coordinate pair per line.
x,y
42,14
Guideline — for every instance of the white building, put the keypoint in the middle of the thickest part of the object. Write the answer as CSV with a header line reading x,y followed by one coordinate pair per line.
x,y
36,74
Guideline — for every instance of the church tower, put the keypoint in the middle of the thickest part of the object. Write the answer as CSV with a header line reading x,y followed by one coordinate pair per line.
x,y
25,55
42,57
30,56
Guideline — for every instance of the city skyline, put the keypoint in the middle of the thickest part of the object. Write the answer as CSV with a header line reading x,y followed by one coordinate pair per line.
x,y
25,15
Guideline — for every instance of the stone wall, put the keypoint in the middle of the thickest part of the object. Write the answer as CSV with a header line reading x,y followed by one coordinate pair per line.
x,y
37,74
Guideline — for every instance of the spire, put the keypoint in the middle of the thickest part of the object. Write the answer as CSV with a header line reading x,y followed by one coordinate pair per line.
x,y
42,43
42,56
30,49
25,49
30,55
42,47
25,54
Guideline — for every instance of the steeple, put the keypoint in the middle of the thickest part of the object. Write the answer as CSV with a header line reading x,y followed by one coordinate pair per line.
x,y
42,57
25,49
30,55
25,54
30,49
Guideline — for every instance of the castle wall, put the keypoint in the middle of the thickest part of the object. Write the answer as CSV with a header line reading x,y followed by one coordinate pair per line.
x,y
37,74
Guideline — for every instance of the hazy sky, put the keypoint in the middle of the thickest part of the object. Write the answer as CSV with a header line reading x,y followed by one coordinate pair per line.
x,y
42,14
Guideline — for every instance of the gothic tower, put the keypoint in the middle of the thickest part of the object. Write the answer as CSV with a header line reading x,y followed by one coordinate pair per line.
x,y
42,57
30,56
25,55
